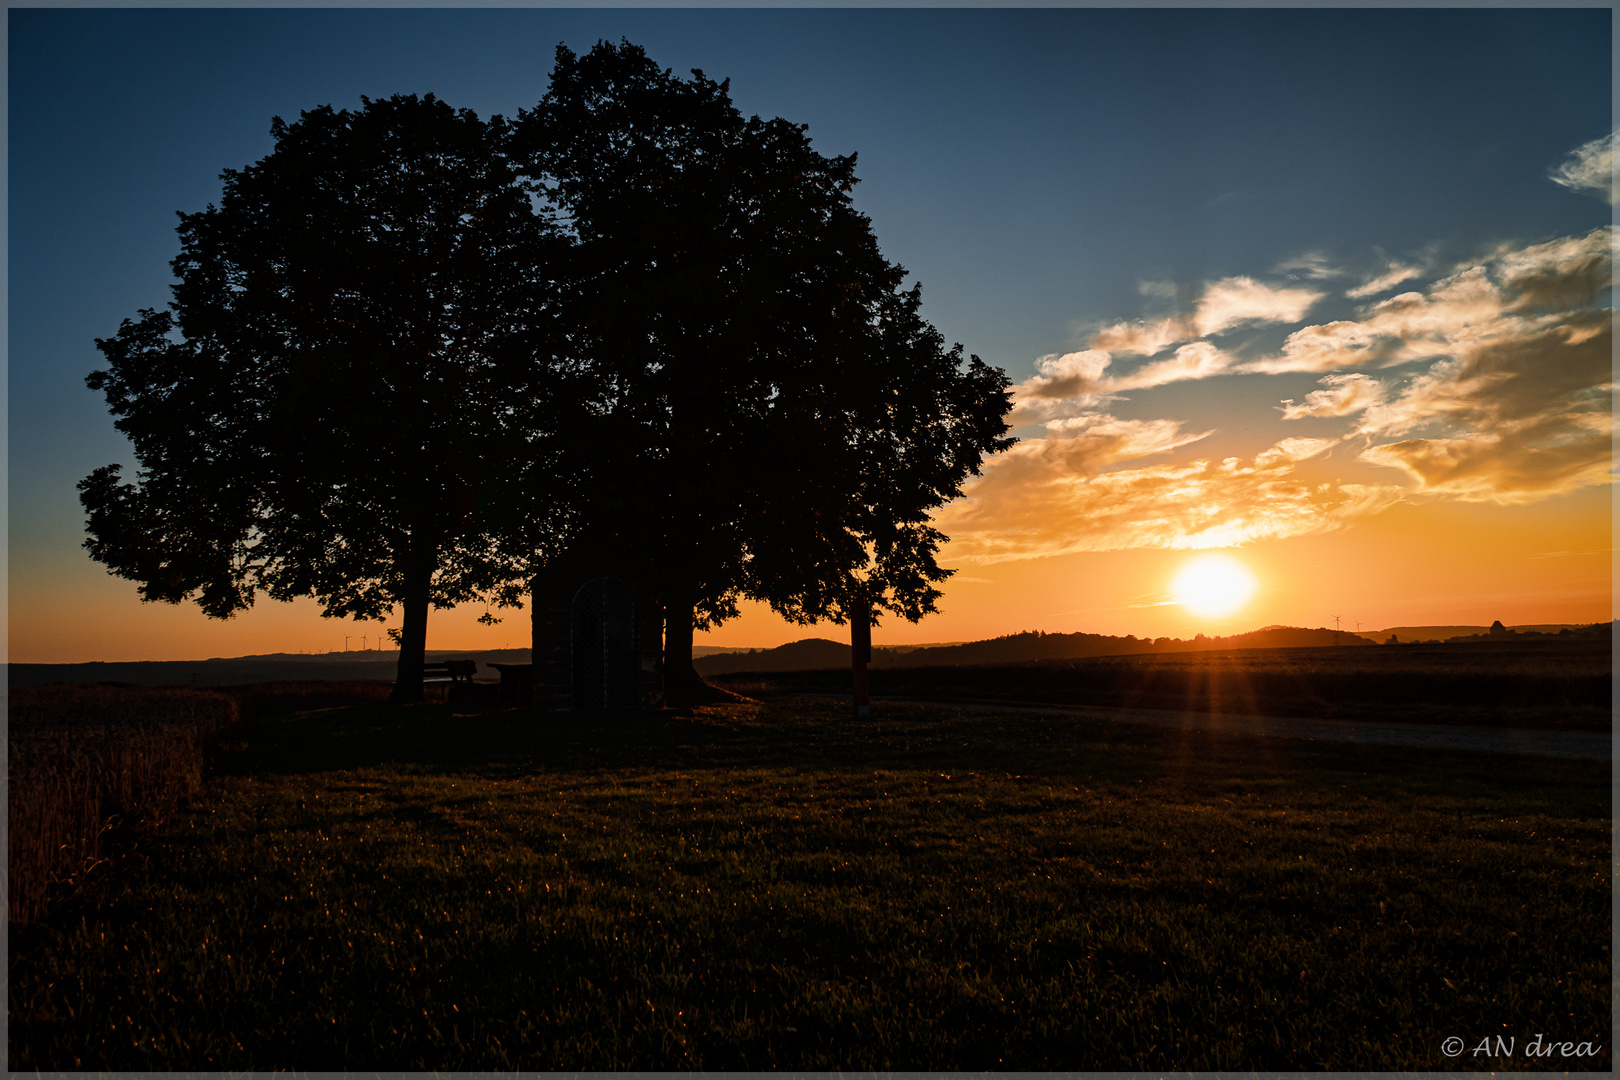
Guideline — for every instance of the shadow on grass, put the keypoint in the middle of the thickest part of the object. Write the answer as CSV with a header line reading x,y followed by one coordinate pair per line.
x,y
458,738
807,735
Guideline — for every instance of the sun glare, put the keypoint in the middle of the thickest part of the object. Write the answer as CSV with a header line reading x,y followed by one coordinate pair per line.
x,y
1213,585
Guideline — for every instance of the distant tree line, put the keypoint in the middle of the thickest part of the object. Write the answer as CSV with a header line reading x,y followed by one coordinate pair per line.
x,y
415,358
1033,646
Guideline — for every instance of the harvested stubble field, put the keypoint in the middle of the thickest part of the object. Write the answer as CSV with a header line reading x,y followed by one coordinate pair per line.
x,y
85,761
90,767
778,885
1543,683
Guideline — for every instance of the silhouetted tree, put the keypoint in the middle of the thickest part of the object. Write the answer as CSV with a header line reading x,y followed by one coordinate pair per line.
x,y
777,419
340,396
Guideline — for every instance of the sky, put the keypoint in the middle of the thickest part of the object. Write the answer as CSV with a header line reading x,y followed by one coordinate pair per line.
x,y
1327,291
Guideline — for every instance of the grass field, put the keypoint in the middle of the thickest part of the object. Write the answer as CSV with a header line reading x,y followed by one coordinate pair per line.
x,y
1544,683
781,886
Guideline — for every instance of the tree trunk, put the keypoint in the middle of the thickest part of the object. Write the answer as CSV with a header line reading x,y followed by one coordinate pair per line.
x,y
860,647
682,687
413,639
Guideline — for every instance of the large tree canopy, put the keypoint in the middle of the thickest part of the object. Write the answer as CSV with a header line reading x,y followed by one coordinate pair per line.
x,y
412,357
345,397
775,412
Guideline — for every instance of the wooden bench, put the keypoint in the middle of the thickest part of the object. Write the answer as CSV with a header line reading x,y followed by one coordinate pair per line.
x,y
452,671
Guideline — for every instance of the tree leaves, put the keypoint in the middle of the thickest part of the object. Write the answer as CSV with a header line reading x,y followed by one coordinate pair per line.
x,y
345,378
790,416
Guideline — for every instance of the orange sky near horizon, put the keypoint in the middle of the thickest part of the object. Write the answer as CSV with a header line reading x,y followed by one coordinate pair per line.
x,y
1430,563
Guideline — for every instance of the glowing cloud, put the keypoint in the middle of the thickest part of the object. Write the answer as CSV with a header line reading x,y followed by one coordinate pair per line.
x,y
1515,405
1567,272
1033,502
1505,398
1517,467
1090,442
1328,346
1231,301
1589,168
1195,360
1397,273
1345,394
1074,383
1066,375
1224,304
1475,303
1310,264
1526,414
1144,338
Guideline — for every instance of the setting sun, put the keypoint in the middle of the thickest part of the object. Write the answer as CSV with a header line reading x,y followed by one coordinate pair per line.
x,y
1213,585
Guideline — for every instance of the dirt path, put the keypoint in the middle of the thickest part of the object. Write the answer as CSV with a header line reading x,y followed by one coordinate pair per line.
x,y
1582,744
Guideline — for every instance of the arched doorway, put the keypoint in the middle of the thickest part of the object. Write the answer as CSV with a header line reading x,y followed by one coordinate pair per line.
x,y
602,634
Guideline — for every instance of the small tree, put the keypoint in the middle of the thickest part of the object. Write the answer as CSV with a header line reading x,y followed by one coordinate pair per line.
x,y
351,373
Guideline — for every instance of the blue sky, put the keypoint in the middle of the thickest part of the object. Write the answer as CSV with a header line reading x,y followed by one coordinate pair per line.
x,y
1045,174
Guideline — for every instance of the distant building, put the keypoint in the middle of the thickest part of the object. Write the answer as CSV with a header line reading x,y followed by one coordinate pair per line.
x,y
597,634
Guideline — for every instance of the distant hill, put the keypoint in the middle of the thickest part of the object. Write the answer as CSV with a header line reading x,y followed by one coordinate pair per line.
x,y
810,654
710,650
1018,648
1288,637
271,667
1412,634
815,654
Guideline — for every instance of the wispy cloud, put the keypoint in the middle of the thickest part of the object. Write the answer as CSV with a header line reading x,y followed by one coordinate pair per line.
x,y
1523,416
1235,300
1143,338
1506,397
1033,502
1515,403
1073,384
1224,304
1341,344
1345,394
1391,277
1589,168
1520,467
1475,302
1088,443
1567,272
1309,264
1066,385
1195,360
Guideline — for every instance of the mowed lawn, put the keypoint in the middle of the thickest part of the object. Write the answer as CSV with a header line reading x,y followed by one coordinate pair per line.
x,y
779,885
